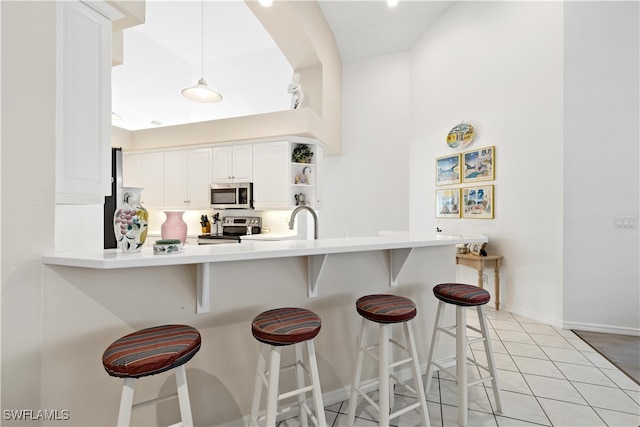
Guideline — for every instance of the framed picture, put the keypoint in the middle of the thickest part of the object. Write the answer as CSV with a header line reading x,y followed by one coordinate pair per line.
x,y
479,165
477,249
477,202
448,170
448,203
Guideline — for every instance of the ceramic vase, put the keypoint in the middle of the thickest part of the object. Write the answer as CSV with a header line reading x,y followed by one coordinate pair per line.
x,y
130,222
174,227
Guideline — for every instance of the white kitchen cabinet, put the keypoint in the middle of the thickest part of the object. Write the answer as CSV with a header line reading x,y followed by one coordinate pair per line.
x,y
83,104
145,170
187,178
233,163
271,172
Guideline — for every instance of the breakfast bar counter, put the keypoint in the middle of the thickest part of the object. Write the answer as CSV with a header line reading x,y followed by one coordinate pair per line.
x,y
93,296
316,251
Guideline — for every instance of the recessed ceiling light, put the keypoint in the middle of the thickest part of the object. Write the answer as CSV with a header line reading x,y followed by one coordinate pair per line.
x,y
392,3
266,3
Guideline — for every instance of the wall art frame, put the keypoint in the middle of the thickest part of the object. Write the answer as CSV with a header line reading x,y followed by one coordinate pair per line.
x,y
478,202
479,165
448,203
448,170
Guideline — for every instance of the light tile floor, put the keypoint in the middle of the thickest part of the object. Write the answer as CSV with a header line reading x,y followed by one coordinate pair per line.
x,y
548,377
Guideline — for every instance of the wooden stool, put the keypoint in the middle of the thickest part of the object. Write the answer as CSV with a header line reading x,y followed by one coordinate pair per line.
x,y
385,310
463,296
149,352
276,329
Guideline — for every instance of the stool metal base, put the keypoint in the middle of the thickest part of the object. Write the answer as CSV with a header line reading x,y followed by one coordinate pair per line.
x,y
459,332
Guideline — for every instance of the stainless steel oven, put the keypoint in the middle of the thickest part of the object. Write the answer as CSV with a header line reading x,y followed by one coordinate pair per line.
x,y
234,195
233,228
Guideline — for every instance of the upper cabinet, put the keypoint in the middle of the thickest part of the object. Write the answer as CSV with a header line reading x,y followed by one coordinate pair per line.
x,y
282,178
83,104
187,178
271,173
233,163
146,171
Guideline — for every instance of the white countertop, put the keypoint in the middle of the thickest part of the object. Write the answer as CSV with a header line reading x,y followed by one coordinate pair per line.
x,y
250,250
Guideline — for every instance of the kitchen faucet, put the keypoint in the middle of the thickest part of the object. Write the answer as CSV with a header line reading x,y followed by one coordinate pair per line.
x,y
292,220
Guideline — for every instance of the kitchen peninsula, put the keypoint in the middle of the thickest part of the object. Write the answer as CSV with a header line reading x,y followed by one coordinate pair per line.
x,y
399,246
105,294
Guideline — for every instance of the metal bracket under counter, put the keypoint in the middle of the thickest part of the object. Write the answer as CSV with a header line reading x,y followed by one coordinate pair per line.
x,y
315,267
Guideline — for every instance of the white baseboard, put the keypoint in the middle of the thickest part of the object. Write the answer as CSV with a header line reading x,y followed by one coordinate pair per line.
x,y
592,327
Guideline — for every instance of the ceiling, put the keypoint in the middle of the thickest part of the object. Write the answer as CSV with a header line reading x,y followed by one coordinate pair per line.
x,y
241,61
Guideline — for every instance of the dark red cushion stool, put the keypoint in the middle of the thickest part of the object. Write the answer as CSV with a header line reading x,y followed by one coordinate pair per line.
x,y
463,296
149,352
385,311
276,329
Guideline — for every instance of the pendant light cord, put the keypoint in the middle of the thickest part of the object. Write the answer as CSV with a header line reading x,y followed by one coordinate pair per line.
x,y
202,40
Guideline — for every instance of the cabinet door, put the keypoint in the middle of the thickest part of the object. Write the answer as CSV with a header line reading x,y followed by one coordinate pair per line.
x,y
199,177
175,179
147,172
242,163
271,175
152,179
132,170
83,97
222,164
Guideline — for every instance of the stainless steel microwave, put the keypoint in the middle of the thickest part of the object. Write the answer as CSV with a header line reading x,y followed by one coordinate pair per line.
x,y
234,195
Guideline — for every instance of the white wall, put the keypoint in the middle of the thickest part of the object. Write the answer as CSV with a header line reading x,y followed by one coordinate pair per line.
x,y
28,189
601,144
366,188
498,66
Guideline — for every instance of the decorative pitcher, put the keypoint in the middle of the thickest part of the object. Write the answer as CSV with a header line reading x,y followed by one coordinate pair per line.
x,y
174,227
130,221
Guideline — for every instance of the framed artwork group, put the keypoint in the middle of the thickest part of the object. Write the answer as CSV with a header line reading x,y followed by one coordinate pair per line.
x,y
470,167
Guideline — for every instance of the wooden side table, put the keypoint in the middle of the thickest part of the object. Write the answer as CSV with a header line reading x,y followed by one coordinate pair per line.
x,y
480,263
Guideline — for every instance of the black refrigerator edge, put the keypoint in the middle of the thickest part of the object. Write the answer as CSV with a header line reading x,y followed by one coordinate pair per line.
x,y
112,202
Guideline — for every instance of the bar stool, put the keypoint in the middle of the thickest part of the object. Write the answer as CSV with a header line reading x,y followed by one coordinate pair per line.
x,y
275,329
463,296
148,352
385,310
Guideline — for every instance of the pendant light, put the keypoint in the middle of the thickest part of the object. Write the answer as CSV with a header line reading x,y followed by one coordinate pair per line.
x,y
201,92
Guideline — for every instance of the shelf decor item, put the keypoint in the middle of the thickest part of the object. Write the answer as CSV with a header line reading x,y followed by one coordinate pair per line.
x,y
448,203
478,202
174,226
130,221
302,153
448,170
461,136
479,165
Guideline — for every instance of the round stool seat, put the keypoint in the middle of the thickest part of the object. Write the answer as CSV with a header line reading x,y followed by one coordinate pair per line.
x,y
285,326
383,308
461,294
151,351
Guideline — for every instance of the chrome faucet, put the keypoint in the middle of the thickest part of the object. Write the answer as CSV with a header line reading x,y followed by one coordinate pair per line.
x,y
292,219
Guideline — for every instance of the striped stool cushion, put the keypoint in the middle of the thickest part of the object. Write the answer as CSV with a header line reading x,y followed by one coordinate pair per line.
x,y
151,351
461,294
382,308
285,326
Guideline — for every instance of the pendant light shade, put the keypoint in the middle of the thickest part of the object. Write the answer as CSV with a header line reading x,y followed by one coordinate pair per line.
x,y
201,92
